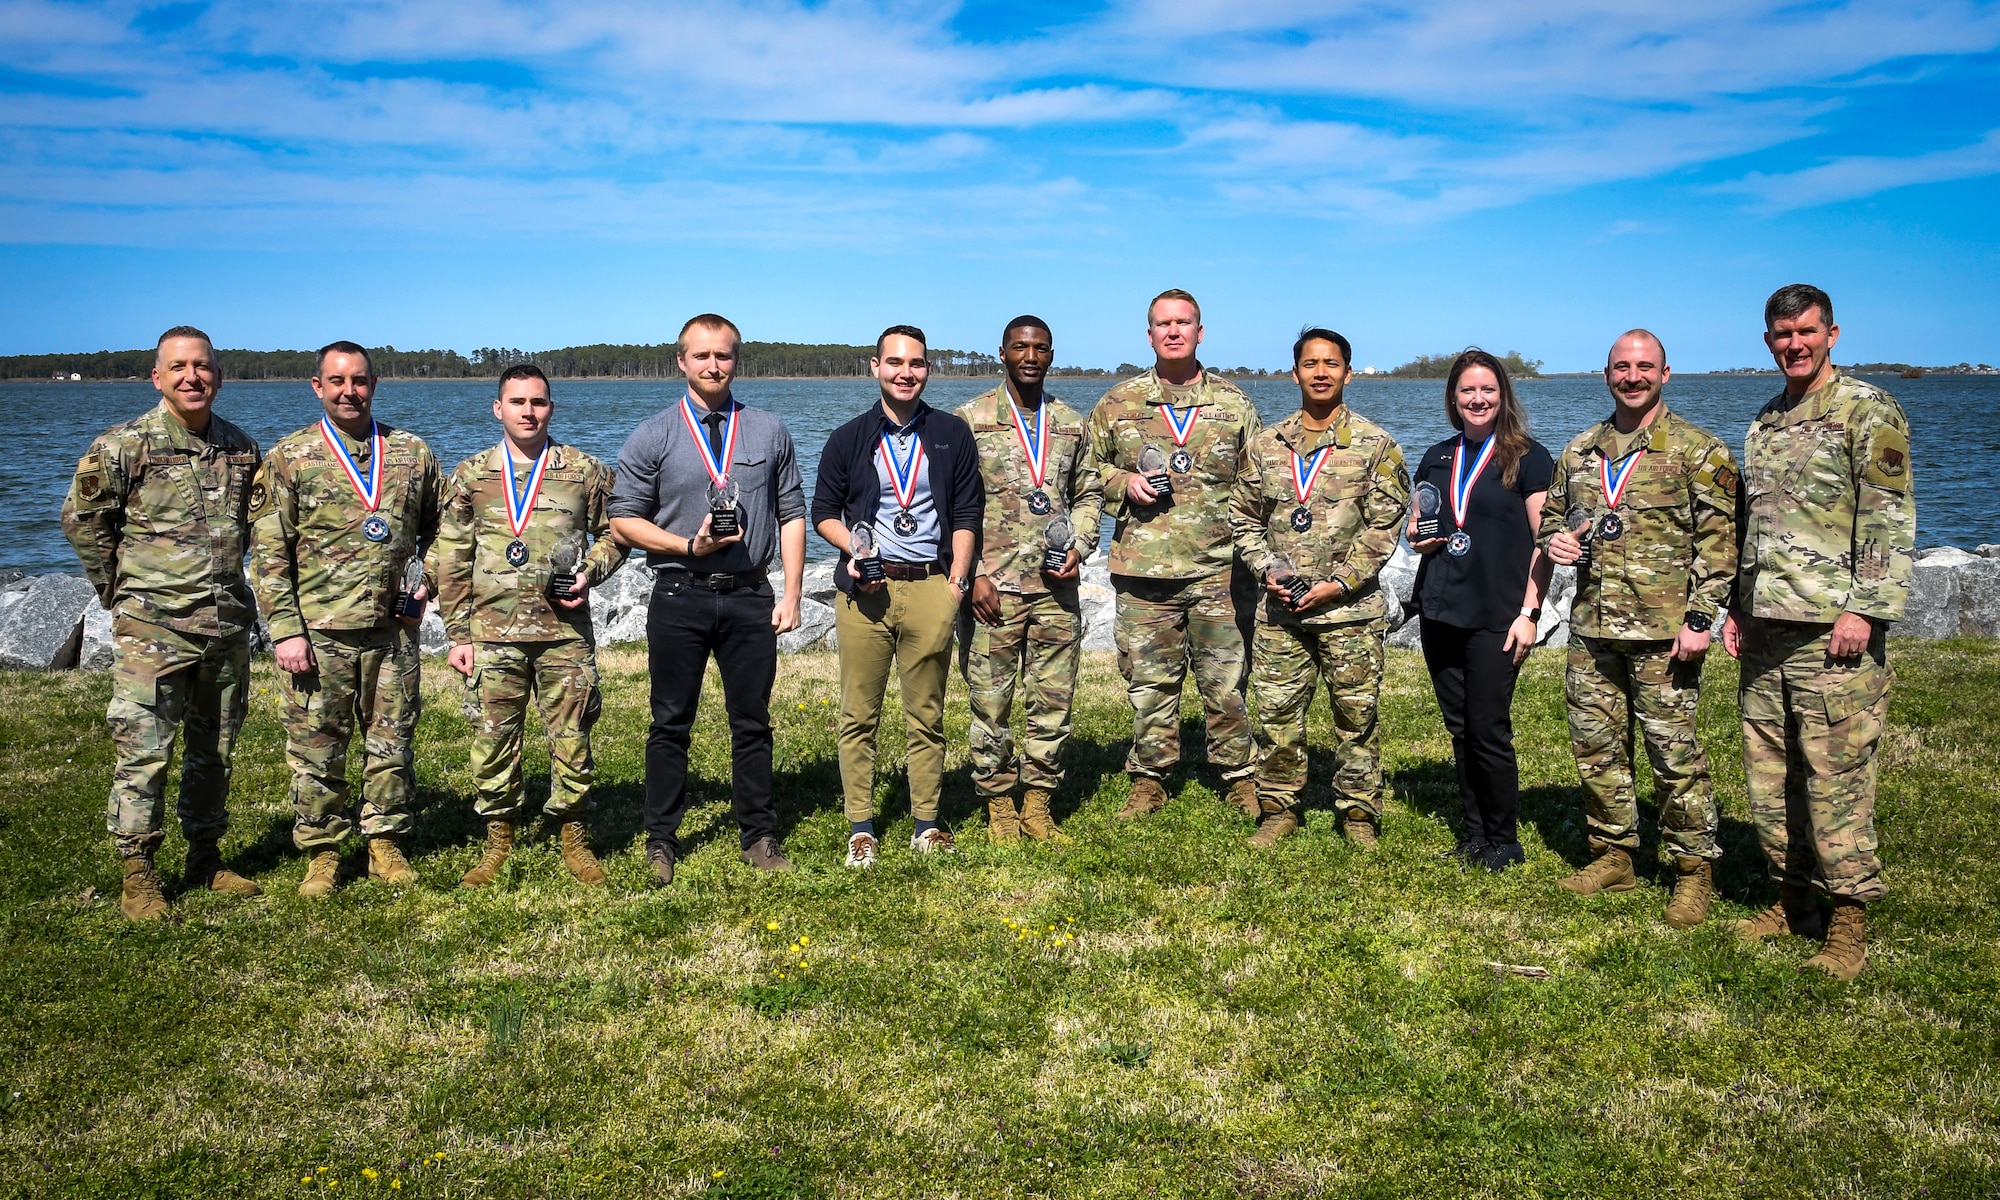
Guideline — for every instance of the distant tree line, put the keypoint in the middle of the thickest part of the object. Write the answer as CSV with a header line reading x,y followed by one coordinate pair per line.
x,y
1438,366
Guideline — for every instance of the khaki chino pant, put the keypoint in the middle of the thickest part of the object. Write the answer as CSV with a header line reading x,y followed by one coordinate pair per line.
x,y
908,625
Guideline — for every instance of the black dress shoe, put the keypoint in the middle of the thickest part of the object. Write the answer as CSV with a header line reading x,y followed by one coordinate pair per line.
x,y
660,857
1468,850
1498,856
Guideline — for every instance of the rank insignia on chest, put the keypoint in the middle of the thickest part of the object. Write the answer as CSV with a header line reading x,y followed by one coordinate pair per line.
x,y
1182,462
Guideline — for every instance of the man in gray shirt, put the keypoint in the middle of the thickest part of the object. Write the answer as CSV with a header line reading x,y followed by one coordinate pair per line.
x,y
711,595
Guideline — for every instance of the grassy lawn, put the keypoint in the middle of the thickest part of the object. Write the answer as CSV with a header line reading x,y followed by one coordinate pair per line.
x,y
1152,1011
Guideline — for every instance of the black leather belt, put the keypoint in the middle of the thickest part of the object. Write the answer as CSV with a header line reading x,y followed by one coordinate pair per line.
x,y
722,582
907,572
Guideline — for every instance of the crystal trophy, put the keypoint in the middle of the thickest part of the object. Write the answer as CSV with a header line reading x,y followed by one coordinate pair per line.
x,y
562,564
1153,465
722,510
1430,507
867,556
1061,535
1286,576
1582,524
406,604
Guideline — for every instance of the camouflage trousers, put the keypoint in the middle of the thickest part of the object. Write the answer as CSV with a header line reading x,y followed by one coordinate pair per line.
x,y
1036,643
1610,686
1810,726
563,677
1287,665
165,683
361,676
1161,627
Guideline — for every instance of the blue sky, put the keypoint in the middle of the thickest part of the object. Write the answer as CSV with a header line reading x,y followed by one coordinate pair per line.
x,y
1514,173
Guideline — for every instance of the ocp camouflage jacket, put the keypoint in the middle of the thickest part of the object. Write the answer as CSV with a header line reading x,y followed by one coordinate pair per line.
x,y
1676,550
483,597
1011,538
157,518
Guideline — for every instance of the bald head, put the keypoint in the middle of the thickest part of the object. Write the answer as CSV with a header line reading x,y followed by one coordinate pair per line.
x,y
1635,343
1636,372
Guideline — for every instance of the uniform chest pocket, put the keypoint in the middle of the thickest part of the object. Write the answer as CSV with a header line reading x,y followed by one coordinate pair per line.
x,y
1818,463
752,476
166,496
242,469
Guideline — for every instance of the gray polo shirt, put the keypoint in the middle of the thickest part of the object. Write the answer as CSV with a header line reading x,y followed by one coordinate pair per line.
x,y
662,479
921,546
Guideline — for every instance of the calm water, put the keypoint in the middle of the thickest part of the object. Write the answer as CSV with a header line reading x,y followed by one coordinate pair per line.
x,y
1956,422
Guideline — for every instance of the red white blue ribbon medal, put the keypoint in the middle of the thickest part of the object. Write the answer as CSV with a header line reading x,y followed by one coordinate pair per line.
x,y
1305,474
1181,428
1614,483
521,502
1036,451
717,468
903,481
1462,481
373,526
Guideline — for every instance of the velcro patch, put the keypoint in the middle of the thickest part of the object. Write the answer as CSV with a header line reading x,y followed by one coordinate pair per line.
x,y
93,484
260,498
1889,460
1725,481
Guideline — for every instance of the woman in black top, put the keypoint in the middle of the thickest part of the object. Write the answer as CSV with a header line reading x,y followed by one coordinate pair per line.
x,y
1479,591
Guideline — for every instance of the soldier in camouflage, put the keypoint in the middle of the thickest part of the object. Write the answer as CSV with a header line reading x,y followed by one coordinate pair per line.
x,y
1319,498
338,513
1171,555
1025,621
1653,497
156,514
1827,529
515,517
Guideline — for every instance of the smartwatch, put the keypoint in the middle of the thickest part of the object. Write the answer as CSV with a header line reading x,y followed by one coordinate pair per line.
x,y
1533,614
1699,622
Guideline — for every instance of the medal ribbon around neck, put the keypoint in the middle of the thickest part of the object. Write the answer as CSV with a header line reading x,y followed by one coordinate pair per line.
x,y
1036,451
903,476
718,472
1462,481
370,491
521,505
1181,430
1615,482
1305,477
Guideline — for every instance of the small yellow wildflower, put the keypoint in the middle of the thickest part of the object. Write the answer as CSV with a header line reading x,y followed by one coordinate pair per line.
x,y
1072,920
305,1179
802,964
719,1174
368,1172
771,925
395,1185
438,1155
321,1171
804,940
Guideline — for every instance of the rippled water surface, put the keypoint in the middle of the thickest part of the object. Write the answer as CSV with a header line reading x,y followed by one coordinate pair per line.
x,y
1955,420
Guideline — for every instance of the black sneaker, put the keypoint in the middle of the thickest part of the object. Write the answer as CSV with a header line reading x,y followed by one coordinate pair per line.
x,y
1468,850
766,854
1498,856
660,857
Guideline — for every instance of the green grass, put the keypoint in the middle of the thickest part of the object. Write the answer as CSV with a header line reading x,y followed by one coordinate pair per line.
x,y
1212,1021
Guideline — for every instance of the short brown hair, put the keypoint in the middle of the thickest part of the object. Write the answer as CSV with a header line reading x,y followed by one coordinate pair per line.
x,y
908,331
184,331
524,371
1510,428
707,321
341,347
1173,294
1794,299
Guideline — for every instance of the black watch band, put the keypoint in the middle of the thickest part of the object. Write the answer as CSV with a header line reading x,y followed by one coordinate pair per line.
x,y
1699,622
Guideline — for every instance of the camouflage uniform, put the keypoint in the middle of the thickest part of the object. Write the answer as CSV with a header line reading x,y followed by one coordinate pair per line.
x,y
316,576
1171,565
1828,525
1676,554
1041,627
522,641
156,515
1356,505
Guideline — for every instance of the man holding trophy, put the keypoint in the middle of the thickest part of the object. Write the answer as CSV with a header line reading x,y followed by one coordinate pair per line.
x,y
1643,505
710,490
524,534
1041,515
1317,507
340,515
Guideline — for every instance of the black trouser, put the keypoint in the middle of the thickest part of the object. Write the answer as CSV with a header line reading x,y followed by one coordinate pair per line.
x,y
685,623
1474,681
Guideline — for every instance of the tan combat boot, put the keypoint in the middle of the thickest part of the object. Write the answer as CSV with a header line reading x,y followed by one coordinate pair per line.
x,y
499,844
321,870
205,870
577,856
1147,797
1846,949
1360,830
1694,888
1610,872
1243,794
1036,820
143,899
1003,824
1274,828
1796,912
386,863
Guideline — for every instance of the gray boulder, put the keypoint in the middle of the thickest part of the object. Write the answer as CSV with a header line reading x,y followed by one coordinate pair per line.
x,y
1399,574
43,629
94,652
815,621
1555,608
1099,604
1932,608
1945,556
817,583
1409,636
431,637
1988,550
1979,598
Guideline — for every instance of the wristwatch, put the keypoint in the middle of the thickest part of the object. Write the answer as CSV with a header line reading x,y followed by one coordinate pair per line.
x,y
964,586
1699,622
1533,614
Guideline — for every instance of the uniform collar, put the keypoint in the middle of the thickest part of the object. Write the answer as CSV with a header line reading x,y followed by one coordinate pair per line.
x,y
497,458
1615,445
178,435
1158,386
1293,432
1002,403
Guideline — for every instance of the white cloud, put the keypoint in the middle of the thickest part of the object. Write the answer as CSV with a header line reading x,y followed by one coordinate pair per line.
x,y
1865,175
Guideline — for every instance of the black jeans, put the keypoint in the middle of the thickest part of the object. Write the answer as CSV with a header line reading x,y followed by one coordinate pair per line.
x,y
686,623
1474,681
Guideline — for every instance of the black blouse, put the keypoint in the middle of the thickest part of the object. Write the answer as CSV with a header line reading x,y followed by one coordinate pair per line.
x,y
1483,588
